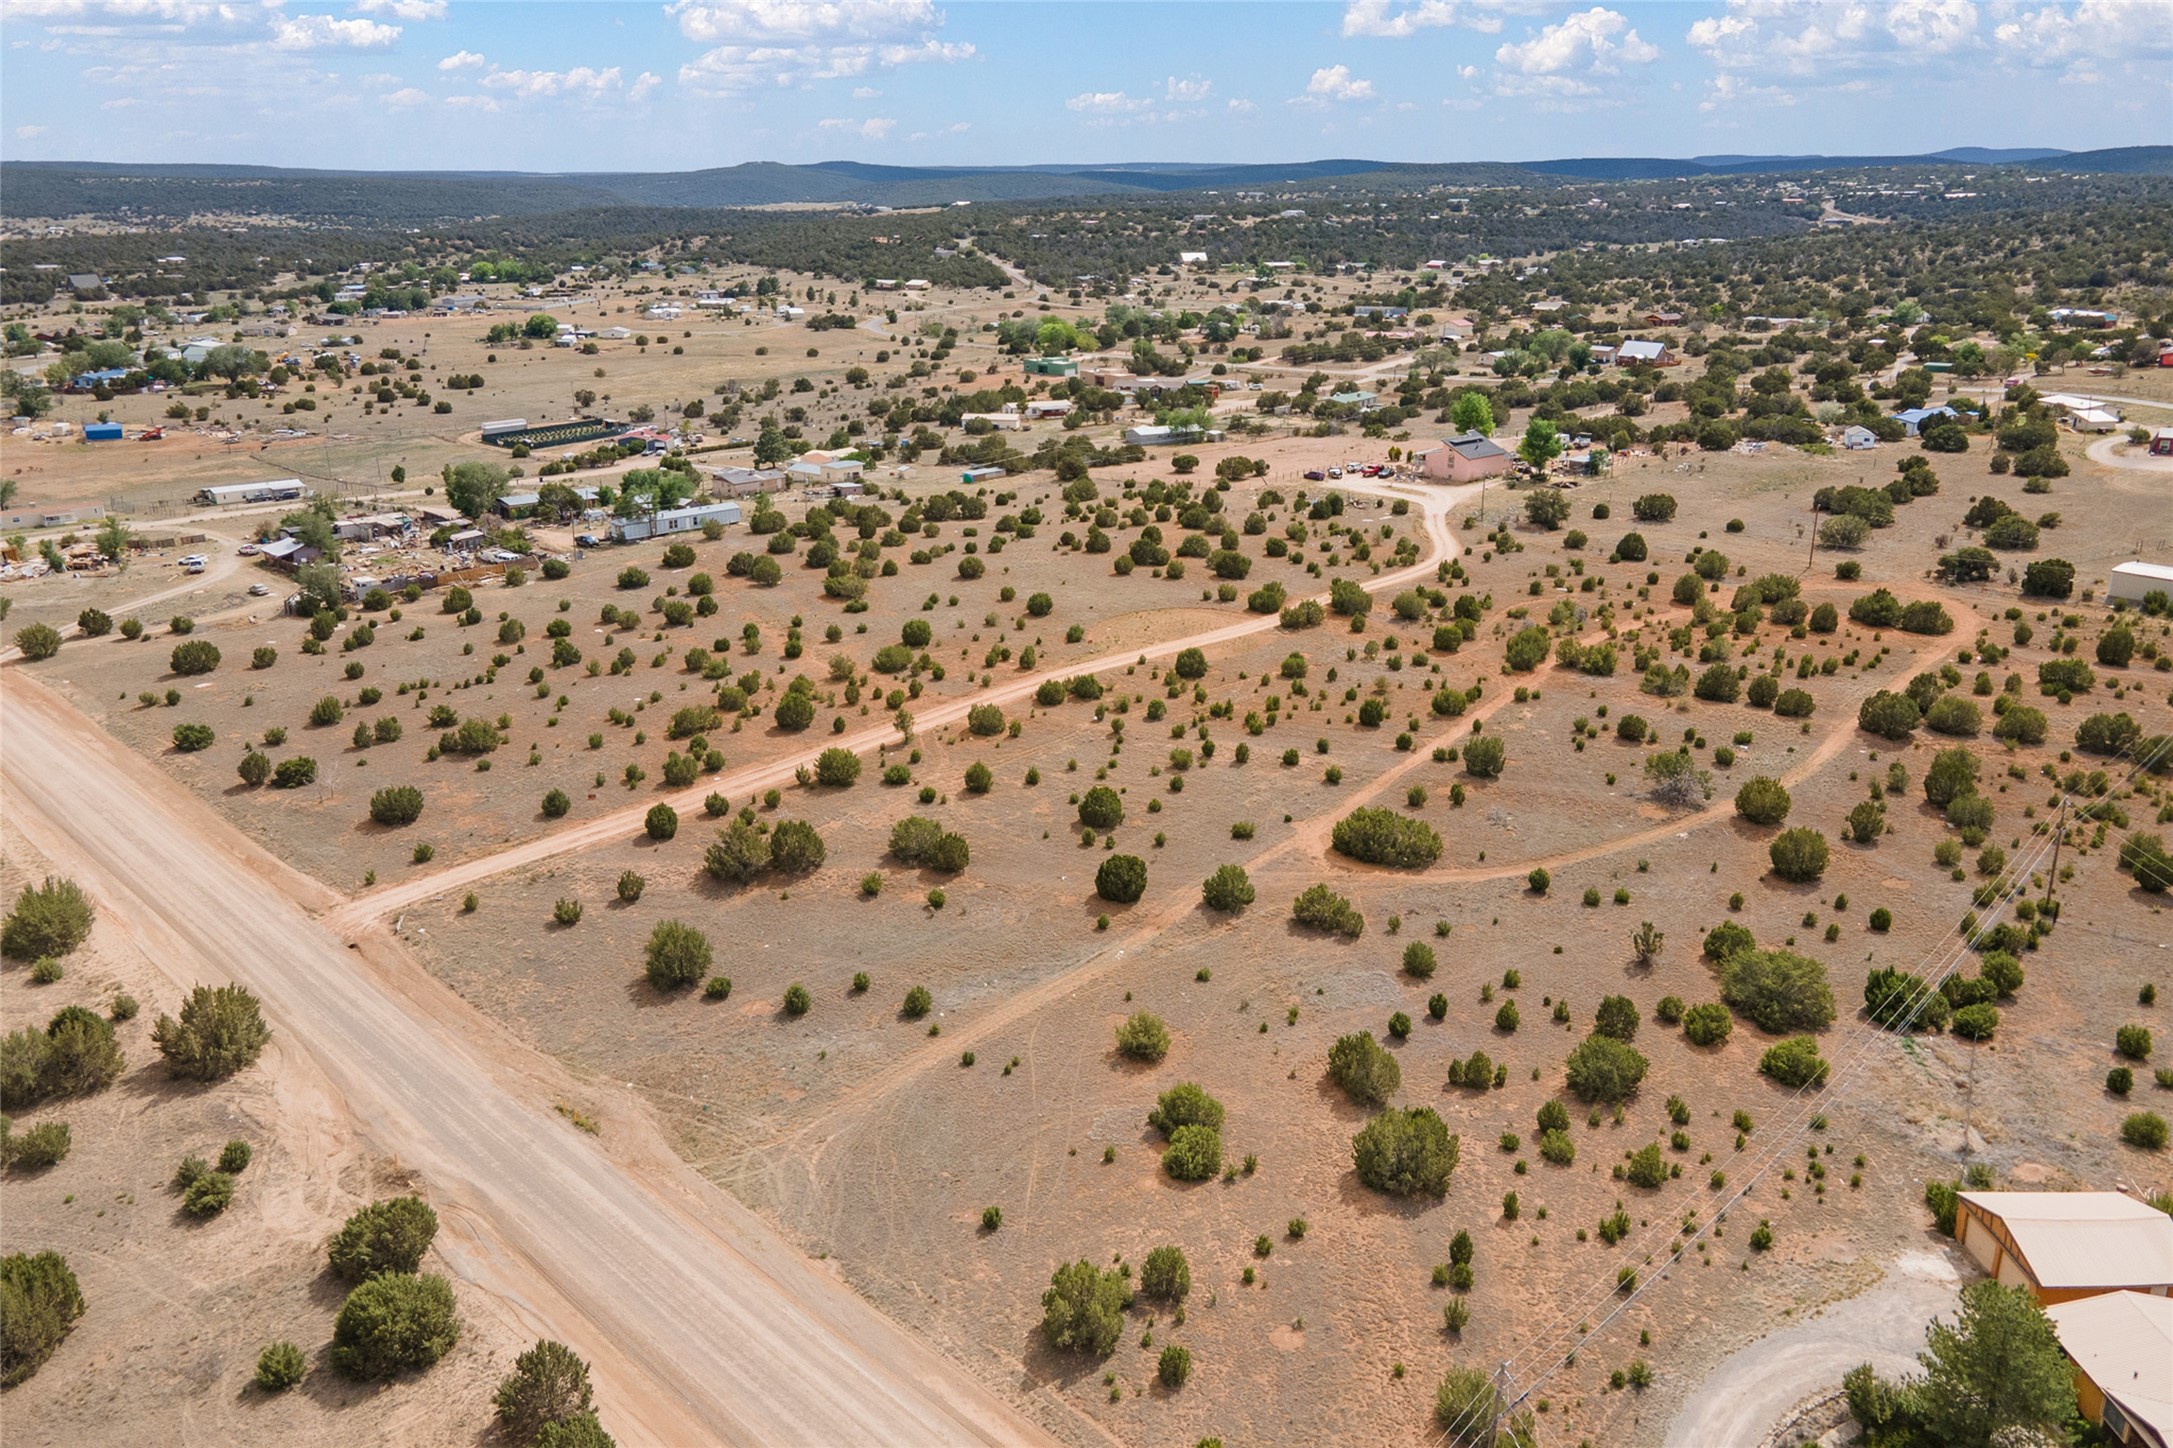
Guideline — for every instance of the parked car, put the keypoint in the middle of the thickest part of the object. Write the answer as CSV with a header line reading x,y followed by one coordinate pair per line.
x,y
260,590
1335,472
247,550
1315,475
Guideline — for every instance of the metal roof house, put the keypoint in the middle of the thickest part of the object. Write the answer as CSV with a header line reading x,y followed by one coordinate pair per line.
x,y
1645,354
2121,1344
1914,418
2065,1245
280,490
1857,437
673,520
1465,458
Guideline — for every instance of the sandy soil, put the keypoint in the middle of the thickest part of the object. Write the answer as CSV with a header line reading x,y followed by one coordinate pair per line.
x,y
607,1245
177,1309
870,1144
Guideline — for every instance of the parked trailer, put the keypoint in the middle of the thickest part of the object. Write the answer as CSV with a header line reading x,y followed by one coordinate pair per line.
x,y
505,424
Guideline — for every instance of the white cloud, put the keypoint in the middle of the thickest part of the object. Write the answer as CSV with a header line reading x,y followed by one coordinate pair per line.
x,y
416,11
473,103
1597,41
1726,90
1189,89
406,96
874,128
865,92
644,83
1239,105
582,80
29,133
183,12
1106,103
1335,83
2105,29
322,32
462,60
773,21
728,69
1828,37
1401,19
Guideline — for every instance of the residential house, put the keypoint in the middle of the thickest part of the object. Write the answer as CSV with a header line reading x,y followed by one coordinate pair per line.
x,y
2161,442
1191,258
2121,1347
1048,407
281,490
2093,419
745,482
1465,458
1663,319
1857,438
1646,354
1913,419
1380,314
1051,367
368,527
1603,354
689,519
1155,434
288,553
1456,329
2065,1245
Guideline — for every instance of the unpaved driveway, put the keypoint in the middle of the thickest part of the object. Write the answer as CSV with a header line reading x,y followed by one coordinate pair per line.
x,y
702,1324
1747,1394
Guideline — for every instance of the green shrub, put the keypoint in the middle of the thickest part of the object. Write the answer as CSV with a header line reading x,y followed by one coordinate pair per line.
x,y
1762,801
1185,1104
280,1367
1143,1037
220,1031
1101,808
1484,757
38,641
1978,1021
197,656
1365,1069
1794,1062
1467,1406
399,804
209,1195
50,919
45,1145
1406,1153
1604,1069
1228,890
918,1002
678,955
40,1301
1165,1276
2145,1129
1121,880
1320,908
235,1156
1779,990
1799,855
1194,1154
2133,1041
797,1001
294,772
1384,837
549,1385
1083,1310
1173,1367
393,1324
387,1236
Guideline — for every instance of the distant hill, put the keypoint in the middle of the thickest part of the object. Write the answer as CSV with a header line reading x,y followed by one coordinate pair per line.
x,y
153,194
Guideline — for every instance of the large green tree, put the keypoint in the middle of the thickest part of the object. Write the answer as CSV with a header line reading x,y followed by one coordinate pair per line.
x,y
1996,1369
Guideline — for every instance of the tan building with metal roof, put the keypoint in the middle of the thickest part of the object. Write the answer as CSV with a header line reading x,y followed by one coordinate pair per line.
x,y
2121,1344
2065,1245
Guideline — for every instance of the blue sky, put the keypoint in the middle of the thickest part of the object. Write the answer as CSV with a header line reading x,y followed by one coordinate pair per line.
x,y
555,85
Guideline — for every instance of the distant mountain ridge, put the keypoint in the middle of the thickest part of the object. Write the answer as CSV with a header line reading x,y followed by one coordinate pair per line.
x,y
172,192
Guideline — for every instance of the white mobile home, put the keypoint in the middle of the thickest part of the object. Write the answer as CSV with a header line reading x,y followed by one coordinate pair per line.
x,y
673,520
280,490
2130,582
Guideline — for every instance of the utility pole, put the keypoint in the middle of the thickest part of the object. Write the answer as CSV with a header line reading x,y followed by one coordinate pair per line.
x,y
1812,556
2059,836
1969,1109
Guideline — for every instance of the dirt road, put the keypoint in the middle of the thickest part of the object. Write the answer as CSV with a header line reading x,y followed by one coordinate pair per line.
x,y
702,1324
1435,506
1747,1395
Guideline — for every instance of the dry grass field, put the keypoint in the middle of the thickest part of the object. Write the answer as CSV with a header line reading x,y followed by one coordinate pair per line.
x,y
875,1135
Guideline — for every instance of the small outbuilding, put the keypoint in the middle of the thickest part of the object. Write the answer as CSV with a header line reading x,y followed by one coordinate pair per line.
x,y
2121,1345
2131,582
2065,1245
1857,437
